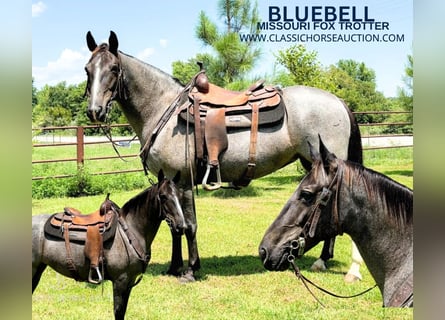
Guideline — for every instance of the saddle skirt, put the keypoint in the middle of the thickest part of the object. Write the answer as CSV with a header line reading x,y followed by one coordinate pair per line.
x,y
78,224
237,105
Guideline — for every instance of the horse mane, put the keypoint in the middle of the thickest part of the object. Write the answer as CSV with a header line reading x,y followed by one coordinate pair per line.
x,y
141,200
154,69
397,198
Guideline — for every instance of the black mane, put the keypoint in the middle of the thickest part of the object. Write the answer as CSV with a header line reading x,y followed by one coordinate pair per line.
x,y
397,198
140,200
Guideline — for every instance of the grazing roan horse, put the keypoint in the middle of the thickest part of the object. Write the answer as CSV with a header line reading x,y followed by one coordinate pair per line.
x,y
338,197
126,255
144,93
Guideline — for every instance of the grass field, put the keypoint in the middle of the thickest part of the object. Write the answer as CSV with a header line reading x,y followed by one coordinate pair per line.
x,y
232,283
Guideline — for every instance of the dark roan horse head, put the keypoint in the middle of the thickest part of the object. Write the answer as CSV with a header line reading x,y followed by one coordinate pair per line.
x,y
170,208
294,230
339,196
159,202
104,74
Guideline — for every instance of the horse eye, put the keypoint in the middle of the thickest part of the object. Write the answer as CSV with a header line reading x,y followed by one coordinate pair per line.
x,y
115,69
306,196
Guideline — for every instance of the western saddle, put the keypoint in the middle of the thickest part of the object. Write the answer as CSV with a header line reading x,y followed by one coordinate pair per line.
x,y
214,110
92,230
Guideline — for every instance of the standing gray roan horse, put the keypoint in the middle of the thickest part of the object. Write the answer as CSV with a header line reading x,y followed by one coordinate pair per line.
x,y
145,92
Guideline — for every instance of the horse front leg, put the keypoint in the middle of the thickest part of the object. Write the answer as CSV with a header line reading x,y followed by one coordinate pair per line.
x,y
37,274
176,261
194,263
326,253
121,294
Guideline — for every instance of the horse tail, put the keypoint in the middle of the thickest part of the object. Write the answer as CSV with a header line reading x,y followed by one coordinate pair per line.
x,y
355,149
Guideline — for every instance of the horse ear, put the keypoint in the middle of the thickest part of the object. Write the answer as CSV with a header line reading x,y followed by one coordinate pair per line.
x,y
91,43
177,177
113,43
160,175
327,157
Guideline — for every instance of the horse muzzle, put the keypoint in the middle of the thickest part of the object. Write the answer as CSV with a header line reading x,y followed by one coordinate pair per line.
x,y
278,259
97,114
176,228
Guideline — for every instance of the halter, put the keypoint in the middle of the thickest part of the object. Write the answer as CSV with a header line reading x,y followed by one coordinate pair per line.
x,y
120,90
321,202
298,246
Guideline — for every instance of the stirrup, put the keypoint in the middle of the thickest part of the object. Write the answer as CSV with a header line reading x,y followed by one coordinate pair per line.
x,y
212,185
99,276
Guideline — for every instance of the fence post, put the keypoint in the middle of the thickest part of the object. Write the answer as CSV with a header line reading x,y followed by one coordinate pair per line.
x,y
80,147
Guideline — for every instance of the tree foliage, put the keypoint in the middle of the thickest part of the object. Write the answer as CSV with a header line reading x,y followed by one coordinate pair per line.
x,y
303,65
229,58
64,105
350,80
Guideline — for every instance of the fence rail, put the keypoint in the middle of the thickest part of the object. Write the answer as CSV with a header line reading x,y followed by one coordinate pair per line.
x,y
80,140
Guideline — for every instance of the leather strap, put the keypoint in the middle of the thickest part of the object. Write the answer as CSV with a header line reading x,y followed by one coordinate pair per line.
x,y
215,134
249,174
133,241
69,256
198,135
403,297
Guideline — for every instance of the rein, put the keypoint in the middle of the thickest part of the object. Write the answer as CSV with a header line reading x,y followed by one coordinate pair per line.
x,y
305,282
321,202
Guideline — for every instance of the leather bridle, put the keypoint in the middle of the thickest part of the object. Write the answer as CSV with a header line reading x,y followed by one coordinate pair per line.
x,y
321,202
297,246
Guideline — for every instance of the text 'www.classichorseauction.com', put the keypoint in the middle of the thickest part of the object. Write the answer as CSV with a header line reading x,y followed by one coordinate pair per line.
x,y
321,24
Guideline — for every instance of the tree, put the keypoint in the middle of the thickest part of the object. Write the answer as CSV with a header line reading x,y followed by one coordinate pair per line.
x,y
406,95
303,65
357,70
350,80
404,101
34,94
357,86
230,58
60,105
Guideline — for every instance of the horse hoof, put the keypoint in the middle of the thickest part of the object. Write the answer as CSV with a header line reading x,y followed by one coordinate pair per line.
x,y
351,278
319,265
187,277
173,272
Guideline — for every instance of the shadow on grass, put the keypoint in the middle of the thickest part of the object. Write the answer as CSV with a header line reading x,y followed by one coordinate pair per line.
x,y
239,265
270,183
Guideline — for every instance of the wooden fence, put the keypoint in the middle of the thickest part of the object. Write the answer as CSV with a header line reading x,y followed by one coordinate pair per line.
x,y
80,140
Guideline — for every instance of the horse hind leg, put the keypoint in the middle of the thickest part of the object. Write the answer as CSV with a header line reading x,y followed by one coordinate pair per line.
x,y
326,253
36,275
354,274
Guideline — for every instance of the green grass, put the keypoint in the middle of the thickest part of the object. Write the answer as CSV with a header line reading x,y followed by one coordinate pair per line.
x,y
85,183
232,283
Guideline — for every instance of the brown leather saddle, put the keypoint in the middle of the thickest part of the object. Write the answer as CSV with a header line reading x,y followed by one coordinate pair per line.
x,y
92,230
214,111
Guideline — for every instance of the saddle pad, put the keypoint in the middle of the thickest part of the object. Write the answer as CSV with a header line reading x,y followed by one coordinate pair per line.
x,y
242,117
78,233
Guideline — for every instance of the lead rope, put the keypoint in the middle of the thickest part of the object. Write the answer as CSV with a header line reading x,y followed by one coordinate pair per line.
x,y
306,280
